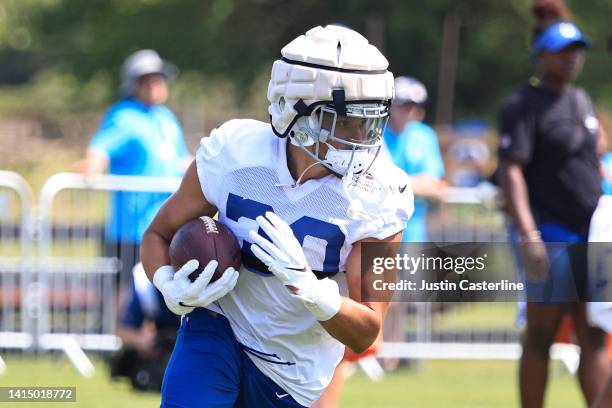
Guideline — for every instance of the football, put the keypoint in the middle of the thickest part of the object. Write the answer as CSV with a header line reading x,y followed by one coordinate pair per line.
x,y
205,239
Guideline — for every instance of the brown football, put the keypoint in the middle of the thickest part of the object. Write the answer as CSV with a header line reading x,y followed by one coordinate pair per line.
x,y
205,239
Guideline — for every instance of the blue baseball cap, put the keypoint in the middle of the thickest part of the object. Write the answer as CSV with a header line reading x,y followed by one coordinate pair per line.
x,y
558,36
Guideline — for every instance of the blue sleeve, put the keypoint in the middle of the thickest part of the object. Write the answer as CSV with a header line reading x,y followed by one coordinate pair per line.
x,y
113,136
607,179
133,315
434,164
423,139
181,147
178,138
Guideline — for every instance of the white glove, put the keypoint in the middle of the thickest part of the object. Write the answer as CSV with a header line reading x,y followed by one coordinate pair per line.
x,y
285,258
182,296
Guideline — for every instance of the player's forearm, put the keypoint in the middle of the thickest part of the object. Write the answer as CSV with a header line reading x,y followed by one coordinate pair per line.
x,y
95,162
130,337
426,186
355,325
153,252
517,196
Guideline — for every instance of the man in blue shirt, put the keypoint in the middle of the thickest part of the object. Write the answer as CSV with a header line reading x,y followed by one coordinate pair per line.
x,y
414,148
138,136
606,163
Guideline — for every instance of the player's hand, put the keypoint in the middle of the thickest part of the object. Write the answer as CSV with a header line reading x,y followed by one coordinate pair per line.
x,y
441,191
145,340
535,259
182,296
284,257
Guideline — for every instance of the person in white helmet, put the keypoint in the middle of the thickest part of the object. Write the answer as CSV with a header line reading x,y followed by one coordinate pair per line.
x,y
301,196
138,136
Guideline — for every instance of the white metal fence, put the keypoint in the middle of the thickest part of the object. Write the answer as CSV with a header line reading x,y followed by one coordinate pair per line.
x,y
479,330
57,291
16,201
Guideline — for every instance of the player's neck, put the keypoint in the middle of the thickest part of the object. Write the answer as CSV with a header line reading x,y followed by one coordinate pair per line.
x,y
299,162
554,83
144,102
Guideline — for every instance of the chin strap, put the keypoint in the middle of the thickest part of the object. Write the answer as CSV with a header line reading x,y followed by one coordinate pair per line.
x,y
299,180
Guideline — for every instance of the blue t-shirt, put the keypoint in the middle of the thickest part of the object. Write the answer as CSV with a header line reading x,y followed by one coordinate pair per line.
x,y
607,180
416,151
139,141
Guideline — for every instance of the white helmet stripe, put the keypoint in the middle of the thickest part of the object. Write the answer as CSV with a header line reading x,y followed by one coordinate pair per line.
x,y
337,69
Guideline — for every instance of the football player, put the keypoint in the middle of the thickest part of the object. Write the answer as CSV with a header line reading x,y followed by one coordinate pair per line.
x,y
599,310
301,196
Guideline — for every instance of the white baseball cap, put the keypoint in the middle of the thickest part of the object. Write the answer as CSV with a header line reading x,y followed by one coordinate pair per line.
x,y
143,62
409,90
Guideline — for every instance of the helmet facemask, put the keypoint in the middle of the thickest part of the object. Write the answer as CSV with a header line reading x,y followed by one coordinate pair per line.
x,y
324,77
353,139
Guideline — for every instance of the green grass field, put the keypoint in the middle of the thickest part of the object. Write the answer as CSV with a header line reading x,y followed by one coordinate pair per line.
x,y
456,384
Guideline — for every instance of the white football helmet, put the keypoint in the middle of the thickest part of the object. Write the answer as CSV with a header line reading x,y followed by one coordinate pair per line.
x,y
331,70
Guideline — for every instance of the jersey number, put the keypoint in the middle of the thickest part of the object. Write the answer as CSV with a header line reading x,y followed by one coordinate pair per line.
x,y
238,207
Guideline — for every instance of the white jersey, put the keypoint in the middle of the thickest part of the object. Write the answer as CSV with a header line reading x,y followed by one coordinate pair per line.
x,y
242,168
599,310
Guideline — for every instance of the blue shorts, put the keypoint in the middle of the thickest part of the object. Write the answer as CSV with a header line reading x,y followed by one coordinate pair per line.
x,y
209,368
567,256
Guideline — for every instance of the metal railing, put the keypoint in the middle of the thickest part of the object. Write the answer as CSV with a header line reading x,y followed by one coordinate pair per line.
x,y
16,201
79,308
58,291
479,330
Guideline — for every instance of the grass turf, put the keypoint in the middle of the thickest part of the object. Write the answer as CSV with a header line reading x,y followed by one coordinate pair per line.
x,y
436,384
